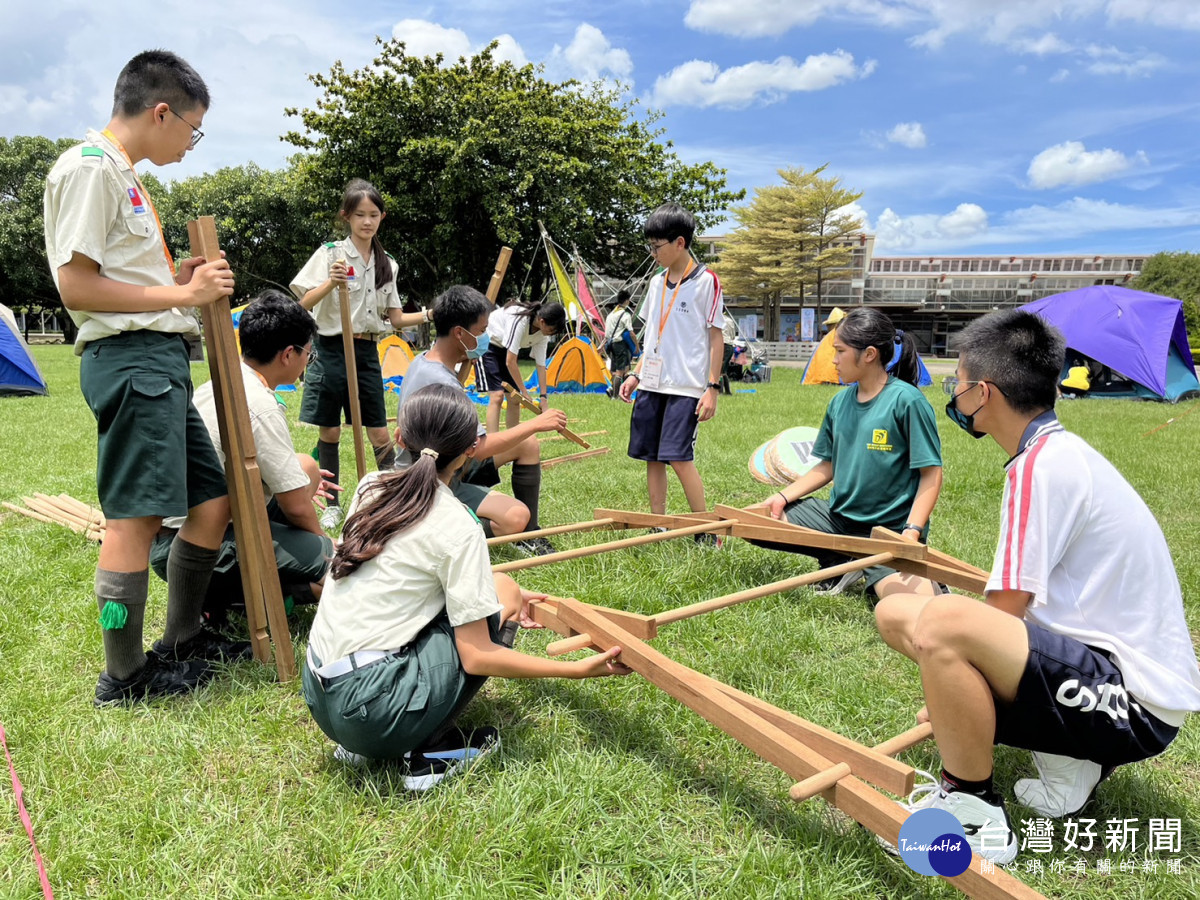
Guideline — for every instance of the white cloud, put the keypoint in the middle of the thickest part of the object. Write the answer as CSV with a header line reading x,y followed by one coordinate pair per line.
x,y
591,56
1167,13
908,134
1049,43
1060,76
701,83
424,38
1069,163
1108,60
966,223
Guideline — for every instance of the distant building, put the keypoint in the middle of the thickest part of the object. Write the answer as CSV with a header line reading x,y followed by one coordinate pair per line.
x,y
933,296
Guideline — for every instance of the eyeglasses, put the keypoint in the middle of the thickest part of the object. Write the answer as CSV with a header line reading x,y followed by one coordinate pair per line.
x,y
312,351
654,248
197,134
949,383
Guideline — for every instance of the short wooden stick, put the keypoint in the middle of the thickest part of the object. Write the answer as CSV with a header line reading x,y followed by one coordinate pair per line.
x,y
815,784
560,437
569,645
536,410
903,741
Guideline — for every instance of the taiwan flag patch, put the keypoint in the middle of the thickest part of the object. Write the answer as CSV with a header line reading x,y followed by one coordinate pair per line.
x,y
136,199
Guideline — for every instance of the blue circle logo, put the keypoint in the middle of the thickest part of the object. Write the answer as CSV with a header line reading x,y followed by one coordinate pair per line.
x,y
932,842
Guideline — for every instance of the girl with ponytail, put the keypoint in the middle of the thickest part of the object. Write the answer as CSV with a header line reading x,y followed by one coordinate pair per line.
x,y
879,446
412,620
512,328
359,262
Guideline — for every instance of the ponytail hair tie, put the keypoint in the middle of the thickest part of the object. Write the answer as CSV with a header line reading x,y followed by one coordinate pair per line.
x,y
432,454
899,335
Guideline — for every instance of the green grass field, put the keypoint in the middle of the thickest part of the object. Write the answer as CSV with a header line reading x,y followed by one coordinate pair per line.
x,y
603,789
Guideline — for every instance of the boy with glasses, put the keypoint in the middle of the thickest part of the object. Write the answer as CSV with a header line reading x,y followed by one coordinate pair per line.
x,y
118,282
678,377
1080,651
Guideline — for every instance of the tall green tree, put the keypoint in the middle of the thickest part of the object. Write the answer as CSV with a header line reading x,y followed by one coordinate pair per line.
x,y
25,280
267,224
471,156
790,239
1175,275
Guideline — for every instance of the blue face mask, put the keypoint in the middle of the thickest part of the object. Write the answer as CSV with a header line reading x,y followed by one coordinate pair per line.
x,y
963,420
482,342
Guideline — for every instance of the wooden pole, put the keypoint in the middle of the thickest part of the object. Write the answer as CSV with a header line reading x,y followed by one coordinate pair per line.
x,y
493,292
573,457
266,617
536,410
901,742
360,451
594,525
702,528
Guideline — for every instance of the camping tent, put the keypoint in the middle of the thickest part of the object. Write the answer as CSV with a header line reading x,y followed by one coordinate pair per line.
x,y
19,374
1139,336
394,356
575,367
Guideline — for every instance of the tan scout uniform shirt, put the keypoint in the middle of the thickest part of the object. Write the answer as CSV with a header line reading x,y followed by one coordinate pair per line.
x,y
368,306
94,206
439,563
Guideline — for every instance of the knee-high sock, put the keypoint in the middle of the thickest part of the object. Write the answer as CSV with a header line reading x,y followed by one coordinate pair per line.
x,y
123,651
327,458
527,487
385,456
189,571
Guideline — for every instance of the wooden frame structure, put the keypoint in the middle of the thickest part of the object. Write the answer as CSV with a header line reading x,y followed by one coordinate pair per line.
x,y
266,617
847,774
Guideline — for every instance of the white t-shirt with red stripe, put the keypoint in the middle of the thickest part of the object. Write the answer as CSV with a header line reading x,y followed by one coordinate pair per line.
x,y
1076,535
509,327
684,347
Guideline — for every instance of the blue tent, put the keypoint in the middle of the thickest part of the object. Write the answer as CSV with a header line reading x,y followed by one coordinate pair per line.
x,y
1138,336
19,374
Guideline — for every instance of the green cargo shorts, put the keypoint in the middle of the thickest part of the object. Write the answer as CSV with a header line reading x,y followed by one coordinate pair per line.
x,y
326,401
392,706
153,456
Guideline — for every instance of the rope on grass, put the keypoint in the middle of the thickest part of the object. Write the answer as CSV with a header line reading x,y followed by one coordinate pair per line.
x,y
19,795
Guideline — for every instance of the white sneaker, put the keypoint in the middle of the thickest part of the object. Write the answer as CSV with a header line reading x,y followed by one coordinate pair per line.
x,y
987,828
349,757
1063,787
331,517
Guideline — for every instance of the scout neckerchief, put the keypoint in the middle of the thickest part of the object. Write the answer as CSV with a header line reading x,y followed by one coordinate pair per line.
x,y
663,316
145,197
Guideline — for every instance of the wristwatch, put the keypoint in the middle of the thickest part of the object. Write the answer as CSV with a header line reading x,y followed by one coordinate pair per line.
x,y
715,385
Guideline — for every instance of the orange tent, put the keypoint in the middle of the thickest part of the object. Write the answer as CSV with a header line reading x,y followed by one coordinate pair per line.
x,y
394,356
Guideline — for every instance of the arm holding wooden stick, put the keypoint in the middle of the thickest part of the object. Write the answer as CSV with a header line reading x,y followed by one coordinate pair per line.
x,y
537,410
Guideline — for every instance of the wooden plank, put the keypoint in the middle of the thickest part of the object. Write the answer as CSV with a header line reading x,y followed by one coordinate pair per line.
x,y
559,437
498,273
624,543
573,457
702,695
266,617
545,612
935,556
847,545
594,525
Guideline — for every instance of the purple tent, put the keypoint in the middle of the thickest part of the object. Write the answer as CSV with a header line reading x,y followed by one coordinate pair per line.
x,y
1139,335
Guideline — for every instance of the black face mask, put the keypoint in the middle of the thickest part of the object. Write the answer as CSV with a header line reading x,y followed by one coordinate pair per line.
x,y
965,421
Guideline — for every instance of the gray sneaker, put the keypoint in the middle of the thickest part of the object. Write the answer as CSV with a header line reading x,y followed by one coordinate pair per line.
x,y
331,517
538,546
838,584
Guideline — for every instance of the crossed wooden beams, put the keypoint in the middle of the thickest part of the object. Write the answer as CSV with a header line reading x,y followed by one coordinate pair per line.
x,y
847,774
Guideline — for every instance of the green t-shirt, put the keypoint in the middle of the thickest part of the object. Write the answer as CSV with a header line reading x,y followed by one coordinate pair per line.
x,y
877,450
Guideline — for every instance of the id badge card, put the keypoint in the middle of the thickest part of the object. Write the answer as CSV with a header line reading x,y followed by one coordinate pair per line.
x,y
651,373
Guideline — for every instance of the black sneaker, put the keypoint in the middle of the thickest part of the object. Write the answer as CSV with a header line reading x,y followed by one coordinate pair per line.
x,y
206,645
158,678
707,541
457,744
421,772
538,546
837,584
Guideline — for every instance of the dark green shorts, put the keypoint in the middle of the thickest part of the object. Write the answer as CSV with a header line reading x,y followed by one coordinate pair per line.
x,y
619,355
301,557
390,707
326,401
814,513
153,456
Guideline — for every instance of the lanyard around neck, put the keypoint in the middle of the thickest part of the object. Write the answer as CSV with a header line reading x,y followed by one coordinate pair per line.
x,y
145,197
664,315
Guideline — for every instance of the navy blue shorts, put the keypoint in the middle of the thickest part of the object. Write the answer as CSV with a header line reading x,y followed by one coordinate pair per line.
x,y
1072,701
663,427
491,371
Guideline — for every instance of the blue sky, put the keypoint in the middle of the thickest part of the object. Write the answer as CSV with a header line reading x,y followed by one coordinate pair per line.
x,y
971,126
